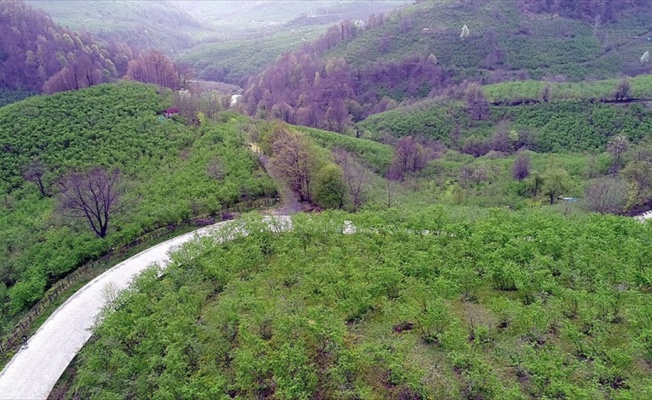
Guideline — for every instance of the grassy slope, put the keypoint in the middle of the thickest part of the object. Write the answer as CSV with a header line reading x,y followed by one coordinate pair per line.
x,y
163,162
494,305
574,125
235,60
533,43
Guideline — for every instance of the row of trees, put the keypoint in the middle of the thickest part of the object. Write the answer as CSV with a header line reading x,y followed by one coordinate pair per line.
x,y
593,11
301,88
39,55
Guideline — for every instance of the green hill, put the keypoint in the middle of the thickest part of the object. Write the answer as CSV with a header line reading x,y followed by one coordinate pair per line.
x,y
171,172
505,38
141,24
352,72
577,117
448,303
234,61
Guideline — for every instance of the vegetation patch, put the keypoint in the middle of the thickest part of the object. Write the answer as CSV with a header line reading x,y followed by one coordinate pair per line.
x,y
444,303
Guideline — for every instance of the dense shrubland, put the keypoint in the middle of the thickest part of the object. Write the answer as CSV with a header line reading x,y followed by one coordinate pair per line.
x,y
171,172
562,126
443,303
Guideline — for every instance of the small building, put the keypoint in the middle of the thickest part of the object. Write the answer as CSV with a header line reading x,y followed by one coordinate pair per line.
x,y
170,112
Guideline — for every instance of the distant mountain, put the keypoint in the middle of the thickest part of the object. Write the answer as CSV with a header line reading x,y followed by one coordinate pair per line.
x,y
141,24
354,71
255,33
246,13
36,54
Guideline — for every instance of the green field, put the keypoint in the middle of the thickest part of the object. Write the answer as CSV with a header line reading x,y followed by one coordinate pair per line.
x,y
440,303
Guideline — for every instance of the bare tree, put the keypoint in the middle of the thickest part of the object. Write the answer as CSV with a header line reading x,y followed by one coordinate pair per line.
x,y
94,196
154,67
391,190
109,293
617,148
476,103
34,173
355,175
622,90
521,168
546,93
295,162
215,169
410,156
606,195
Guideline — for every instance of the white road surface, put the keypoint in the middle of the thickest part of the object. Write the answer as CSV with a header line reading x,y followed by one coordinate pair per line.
x,y
34,371
644,217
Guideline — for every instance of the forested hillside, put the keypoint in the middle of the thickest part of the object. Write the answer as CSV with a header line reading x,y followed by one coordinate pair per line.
x,y
38,55
150,170
141,24
445,303
353,72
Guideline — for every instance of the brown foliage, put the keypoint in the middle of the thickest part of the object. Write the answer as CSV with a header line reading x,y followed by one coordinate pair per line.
x,y
154,67
606,196
409,157
295,162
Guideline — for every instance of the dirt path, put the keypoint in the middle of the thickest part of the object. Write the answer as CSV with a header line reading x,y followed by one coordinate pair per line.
x,y
289,200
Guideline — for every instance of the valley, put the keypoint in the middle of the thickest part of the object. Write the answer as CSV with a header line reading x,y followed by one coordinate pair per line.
x,y
468,184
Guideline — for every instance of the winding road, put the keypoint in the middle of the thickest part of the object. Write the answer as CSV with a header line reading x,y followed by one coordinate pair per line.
x,y
34,371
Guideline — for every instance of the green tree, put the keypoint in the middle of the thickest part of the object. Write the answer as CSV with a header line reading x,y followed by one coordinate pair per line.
x,y
329,189
555,182
638,175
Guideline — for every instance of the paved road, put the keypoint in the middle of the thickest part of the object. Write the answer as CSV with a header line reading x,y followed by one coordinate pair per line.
x,y
645,216
34,371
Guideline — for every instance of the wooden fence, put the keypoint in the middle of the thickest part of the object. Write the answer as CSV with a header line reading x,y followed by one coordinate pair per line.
x,y
13,339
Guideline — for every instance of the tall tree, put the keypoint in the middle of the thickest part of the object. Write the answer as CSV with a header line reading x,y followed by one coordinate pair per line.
x,y
154,67
521,168
355,175
94,196
476,103
555,182
295,161
617,148
622,89
409,157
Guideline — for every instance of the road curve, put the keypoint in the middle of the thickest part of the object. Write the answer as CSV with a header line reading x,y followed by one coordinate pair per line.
x,y
33,372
